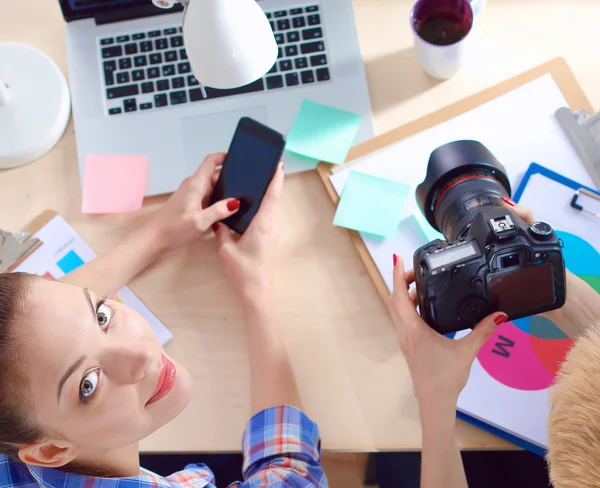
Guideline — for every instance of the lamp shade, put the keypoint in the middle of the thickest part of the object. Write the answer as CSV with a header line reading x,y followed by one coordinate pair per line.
x,y
229,42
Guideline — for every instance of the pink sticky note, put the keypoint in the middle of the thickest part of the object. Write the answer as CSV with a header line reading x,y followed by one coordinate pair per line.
x,y
114,183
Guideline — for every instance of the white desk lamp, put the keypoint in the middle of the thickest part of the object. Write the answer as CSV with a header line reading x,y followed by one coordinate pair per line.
x,y
229,42
34,104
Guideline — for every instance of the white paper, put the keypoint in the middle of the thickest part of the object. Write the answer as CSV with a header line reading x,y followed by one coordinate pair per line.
x,y
519,128
58,239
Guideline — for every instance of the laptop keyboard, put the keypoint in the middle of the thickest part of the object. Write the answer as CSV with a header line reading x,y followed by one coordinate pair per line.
x,y
148,70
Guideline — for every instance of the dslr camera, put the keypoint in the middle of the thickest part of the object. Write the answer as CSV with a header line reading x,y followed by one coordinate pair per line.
x,y
491,260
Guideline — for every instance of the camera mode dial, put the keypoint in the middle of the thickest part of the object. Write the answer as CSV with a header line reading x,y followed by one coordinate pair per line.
x,y
541,231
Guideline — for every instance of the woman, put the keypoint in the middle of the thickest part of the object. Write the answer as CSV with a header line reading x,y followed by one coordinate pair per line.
x,y
83,378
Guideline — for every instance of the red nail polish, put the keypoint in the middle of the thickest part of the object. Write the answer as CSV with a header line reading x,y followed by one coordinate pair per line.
x,y
215,226
395,260
508,201
233,204
500,319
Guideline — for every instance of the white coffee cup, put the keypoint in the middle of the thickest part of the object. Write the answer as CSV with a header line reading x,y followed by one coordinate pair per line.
x,y
441,62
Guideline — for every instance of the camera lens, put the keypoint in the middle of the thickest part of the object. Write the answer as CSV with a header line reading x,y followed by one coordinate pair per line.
x,y
462,177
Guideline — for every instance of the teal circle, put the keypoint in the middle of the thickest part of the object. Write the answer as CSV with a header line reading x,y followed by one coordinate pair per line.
x,y
580,257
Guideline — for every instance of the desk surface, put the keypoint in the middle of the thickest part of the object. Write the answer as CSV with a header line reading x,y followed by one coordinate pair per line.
x,y
353,379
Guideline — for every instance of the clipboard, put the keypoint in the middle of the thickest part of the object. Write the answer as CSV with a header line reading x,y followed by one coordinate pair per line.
x,y
557,68
49,247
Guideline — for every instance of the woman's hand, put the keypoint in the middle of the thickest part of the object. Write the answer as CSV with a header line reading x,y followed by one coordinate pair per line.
x,y
439,366
186,215
250,260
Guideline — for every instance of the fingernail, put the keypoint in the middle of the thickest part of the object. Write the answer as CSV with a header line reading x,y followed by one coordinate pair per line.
x,y
233,204
508,201
500,319
395,260
215,227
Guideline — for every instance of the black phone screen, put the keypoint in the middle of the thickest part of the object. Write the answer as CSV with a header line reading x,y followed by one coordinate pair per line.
x,y
248,170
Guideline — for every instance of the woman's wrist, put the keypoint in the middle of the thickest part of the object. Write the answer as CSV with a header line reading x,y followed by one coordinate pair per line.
x,y
155,239
437,417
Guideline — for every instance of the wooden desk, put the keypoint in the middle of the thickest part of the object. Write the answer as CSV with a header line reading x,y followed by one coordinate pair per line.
x,y
353,379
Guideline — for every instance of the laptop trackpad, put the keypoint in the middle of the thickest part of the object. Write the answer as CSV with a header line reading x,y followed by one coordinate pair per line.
x,y
208,134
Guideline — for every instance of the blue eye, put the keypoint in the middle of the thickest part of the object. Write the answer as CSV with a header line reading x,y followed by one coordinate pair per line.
x,y
88,385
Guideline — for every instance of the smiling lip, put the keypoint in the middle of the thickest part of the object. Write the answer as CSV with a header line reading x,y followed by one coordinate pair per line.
x,y
165,382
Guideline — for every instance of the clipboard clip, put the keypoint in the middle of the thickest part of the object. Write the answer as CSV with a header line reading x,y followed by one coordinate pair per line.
x,y
14,246
576,204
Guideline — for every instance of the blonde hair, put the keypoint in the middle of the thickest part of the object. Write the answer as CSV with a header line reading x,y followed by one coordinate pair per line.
x,y
574,423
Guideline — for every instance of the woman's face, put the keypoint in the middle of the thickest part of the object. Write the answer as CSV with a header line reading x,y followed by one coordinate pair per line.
x,y
97,375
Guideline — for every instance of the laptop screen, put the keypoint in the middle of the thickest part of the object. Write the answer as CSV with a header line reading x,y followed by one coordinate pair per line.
x,y
80,9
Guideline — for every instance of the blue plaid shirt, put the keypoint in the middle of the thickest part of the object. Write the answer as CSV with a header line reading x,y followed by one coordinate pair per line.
x,y
281,449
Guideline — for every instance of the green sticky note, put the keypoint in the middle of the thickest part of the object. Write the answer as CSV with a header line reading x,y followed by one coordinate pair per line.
x,y
371,204
323,133
429,232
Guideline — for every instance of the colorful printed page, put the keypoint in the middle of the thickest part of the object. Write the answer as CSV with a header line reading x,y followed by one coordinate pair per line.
x,y
63,251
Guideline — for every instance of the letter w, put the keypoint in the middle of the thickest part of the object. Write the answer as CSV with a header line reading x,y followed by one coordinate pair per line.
x,y
500,346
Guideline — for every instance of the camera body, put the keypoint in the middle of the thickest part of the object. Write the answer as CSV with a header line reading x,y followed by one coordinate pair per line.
x,y
491,260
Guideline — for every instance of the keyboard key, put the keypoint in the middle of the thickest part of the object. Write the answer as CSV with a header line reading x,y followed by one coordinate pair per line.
x,y
123,39
122,91
269,15
274,82
168,69
110,66
300,63
162,85
293,36
138,75
137,37
181,29
283,24
323,74
291,79
183,68
170,56
178,97
312,47
112,52
161,100
123,77
125,63
155,33
131,49
314,19
291,50
140,61
145,106
192,81
109,78
279,52
183,54
273,69
130,105
307,77
170,31
114,111
279,39
256,86
148,87
298,22
313,8
153,73
318,60
280,13
156,58
272,24
178,82
107,41
285,65
146,46
196,95
296,11
177,41
161,44
310,34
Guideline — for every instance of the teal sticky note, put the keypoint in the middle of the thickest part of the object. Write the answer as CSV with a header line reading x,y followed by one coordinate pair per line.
x,y
429,232
371,204
323,133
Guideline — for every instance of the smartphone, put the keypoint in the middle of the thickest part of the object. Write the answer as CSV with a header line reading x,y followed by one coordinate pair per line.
x,y
249,166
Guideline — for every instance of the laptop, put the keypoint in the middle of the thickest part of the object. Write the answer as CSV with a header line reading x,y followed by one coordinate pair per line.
x,y
134,92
